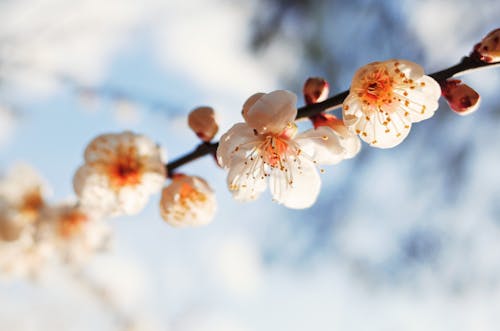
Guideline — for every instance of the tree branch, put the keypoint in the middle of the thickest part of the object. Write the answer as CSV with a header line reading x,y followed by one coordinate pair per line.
x,y
465,65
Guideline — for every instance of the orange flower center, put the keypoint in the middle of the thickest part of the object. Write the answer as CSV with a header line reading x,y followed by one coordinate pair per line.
x,y
273,150
71,223
31,204
126,170
376,87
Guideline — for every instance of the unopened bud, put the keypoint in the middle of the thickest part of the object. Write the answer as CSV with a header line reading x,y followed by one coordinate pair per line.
x,y
187,201
488,50
202,121
462,99
315,90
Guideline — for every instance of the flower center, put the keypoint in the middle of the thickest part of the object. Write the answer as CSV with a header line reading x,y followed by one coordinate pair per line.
x,y
71,222
376,87
274,149
31,204
126,169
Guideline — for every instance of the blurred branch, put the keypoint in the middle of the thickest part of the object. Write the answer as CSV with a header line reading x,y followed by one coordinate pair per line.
x,y
466,65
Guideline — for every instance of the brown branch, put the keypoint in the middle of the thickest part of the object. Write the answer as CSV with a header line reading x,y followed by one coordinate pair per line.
x,y
466,64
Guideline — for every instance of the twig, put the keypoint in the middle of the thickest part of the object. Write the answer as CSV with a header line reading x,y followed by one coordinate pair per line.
x,y
467,64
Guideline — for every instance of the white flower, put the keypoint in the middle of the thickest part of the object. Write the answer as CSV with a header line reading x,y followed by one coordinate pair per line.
x,y
385,98
267,146
72,232
188,201
21,202
22,191
120,173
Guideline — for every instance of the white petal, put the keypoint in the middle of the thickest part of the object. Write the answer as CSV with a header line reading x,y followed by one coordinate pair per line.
x,y
322,145
373,131
351,144
410,69
272,112
351,111
246,179
131,200
420,103
304,189
235,142
250,102
93,191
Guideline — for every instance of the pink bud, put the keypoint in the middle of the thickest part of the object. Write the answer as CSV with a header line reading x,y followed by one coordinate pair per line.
x,y
462,99
202,121
315,90
488,50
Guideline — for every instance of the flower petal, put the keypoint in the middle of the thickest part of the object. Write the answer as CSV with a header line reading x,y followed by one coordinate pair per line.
x,y
304,188
383,131
92,188
351,144
322,145
237,141
246,179
272,112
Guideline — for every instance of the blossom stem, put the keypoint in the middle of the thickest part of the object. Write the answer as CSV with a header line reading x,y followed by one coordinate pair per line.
x,y
466,65
202,150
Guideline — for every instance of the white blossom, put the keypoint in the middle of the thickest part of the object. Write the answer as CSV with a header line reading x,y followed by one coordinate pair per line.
x,y
188,201
267,146
120,173
386,98
72,233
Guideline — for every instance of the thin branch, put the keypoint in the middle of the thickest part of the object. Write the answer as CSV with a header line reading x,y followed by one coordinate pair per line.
x,y
465,65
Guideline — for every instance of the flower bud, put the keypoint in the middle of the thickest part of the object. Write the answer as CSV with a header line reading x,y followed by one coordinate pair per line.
x,y
315,90
202,121
488,50
462,99
187,201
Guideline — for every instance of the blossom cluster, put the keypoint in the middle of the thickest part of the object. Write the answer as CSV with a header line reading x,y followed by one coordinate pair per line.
x,y
122,171
34,232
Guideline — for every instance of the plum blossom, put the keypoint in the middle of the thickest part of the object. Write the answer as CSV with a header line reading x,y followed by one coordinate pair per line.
x,y
267,146
22,199
22,192
187,201
72,232
120,173
386,98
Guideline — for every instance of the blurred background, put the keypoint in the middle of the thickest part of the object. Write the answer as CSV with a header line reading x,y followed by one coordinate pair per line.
x,y
400,239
